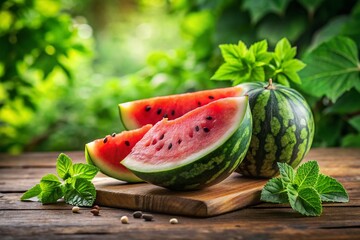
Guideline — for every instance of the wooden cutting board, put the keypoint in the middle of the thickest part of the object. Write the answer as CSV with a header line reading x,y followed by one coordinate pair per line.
x,y
233,193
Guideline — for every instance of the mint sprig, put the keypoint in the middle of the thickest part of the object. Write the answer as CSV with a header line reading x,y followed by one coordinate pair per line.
x,y
256,63
304,189
76,188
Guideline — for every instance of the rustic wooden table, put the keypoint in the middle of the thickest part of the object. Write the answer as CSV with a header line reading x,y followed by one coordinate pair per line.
x,y
23,220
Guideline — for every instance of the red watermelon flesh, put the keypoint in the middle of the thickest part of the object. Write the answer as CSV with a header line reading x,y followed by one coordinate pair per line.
x,y
180,141
149,111
107,153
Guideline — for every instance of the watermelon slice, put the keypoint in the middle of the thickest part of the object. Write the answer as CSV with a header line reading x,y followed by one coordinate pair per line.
x,y
149,111
107,153
197,150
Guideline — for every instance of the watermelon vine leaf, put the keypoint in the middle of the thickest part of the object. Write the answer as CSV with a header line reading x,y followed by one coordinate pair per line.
x,y
304,189
77,188
256,63
333,69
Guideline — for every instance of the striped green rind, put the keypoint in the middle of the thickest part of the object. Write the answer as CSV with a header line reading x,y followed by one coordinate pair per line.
x,y
283,129
209,169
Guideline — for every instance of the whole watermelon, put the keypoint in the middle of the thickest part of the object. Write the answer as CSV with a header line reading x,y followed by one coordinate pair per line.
x,y
283,129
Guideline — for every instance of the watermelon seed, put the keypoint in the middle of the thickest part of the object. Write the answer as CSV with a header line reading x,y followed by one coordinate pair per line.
x,y
127,143
113,135
147,143
105,140
165,115
197,128
206,129
161,137
159,147
154,142
199,103
170,146
211,97
208,118
147,108
172,112
191,134
159,111
179,141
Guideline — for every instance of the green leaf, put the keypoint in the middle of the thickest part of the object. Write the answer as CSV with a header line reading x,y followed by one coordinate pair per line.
x,y
345,104
63,166
287,173
32,192
355,122
310,5
230,52
260,8
51,189
332,69
351,140
231,71
305,201
307,174
81,193
331,190
274,192
284,51
81,170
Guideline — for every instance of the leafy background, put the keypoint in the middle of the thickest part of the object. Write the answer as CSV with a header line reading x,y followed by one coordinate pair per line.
x,y
65,65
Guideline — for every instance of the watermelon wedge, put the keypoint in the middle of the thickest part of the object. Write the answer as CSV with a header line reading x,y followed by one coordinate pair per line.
x,y
107,153
197,150
149,111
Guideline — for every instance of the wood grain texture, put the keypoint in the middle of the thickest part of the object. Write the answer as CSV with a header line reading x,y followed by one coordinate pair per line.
x,y
32,220
232,194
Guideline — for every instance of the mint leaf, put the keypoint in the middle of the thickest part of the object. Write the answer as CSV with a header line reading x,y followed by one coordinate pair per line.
x,y
287,173
274,192
230,52
305,200
307,174
32,192
81,170
331,190
81,193
63,165
51,189
332,78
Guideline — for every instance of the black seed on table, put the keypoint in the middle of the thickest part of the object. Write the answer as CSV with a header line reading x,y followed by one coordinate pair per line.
x,y
211,97
206,129
197,128
170,146
172,112
147,108
159,111
137,214
127,143
208,118
113,135
147,217
105,140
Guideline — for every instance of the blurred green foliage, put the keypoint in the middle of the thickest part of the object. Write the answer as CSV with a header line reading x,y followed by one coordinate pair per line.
x,y
65,65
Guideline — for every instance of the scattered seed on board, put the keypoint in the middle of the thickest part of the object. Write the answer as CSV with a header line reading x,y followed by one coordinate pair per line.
x,y
147,217
124,220
75,209
96,207
137,214
95,212
174,221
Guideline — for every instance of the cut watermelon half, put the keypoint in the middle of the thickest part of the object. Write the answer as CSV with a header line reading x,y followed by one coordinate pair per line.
x,y
149,111
197,150
107,153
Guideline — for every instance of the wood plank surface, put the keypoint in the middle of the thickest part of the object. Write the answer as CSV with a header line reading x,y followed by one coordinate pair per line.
x,y
232,194
32,220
